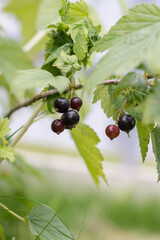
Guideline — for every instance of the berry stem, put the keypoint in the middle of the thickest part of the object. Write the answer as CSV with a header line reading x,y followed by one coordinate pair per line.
x,y
27,125
73,86
121,110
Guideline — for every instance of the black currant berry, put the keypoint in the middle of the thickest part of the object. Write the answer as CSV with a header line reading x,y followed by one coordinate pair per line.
x,y
70,119
76,103
112,131
61,105
57,126
126,123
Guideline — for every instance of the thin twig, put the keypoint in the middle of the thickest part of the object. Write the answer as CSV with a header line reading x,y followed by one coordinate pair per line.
x,y
34,40
13,213
32,100
73,87
27,125
110,82
150,76
121,110
51,93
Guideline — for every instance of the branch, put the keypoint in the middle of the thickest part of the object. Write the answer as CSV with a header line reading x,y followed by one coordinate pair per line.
x,y
150,76
51,93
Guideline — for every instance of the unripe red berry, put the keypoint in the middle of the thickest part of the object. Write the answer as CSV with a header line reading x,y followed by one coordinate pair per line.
x,y
76,103
112,131
57,126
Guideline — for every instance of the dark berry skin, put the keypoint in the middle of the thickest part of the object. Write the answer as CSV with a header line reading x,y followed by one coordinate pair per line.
x,y
76,103
70,119
61,105
57,126
112,131
126,123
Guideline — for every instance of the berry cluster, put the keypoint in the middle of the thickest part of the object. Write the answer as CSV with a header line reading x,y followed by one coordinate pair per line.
x,y
126,123
70,118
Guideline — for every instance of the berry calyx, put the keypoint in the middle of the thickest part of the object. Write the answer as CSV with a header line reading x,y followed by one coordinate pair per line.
x,y
112,131
76,103
57,126
70,119
126,123
61,105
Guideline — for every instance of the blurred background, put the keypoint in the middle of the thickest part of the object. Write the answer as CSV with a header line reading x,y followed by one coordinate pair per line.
x,y
49,168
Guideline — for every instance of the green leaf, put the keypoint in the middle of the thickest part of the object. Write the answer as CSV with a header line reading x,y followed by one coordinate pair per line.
x,y
135,96
67,48
58,39
97,94
152,106
7,153
155,135
48,13
132,80
119,101
26,12
12,58
86,140
67,63
37,78
136,112
73,12
45,224
132,40
101,93
4,127
79,34
50,102
144,137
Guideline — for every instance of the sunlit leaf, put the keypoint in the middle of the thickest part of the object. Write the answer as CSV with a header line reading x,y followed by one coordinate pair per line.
x,y
73,12
4,127
26,12
133,39
37,78
7,153
12,58
48,13
67,63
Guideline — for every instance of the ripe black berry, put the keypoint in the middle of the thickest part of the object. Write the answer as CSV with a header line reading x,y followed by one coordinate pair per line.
x,y
70,119
112,131
76,103
57,126
61,105
126,123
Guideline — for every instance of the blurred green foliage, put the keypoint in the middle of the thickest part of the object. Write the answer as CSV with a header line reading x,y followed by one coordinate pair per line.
x,y
85,207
